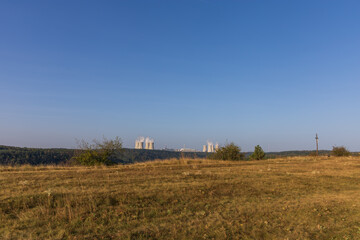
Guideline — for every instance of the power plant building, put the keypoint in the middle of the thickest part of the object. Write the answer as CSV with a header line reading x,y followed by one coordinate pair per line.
x,y
149,143
210,147
204,148
139,143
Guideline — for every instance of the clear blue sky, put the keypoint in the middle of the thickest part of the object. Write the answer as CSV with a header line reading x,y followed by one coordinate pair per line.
x,y
183,72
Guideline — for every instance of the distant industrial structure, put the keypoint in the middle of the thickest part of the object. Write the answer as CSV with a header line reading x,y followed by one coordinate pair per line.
x,y
204,148
139,143
317,144
149,143
186,150
210,147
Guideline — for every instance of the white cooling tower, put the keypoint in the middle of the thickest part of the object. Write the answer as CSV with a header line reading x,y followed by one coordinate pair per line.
x,y
149,143
204,148
210,147
139,143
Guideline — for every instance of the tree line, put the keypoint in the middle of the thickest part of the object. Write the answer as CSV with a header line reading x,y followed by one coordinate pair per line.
x,y
54,156
108,152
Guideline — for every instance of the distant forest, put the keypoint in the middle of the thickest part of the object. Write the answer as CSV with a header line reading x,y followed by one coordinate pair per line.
x,y
39,156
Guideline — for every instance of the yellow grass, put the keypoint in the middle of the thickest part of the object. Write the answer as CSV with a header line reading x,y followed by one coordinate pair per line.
x,y
289,198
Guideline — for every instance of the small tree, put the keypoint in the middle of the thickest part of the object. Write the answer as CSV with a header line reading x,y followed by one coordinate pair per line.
x,y
228,152
258,153
98,153
340,151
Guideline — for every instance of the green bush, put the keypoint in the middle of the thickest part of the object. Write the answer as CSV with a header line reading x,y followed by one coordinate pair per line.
x,y
98,153
340,151
258,153
228,152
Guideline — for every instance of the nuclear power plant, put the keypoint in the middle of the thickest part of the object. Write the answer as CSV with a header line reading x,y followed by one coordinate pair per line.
x,y
210,147
204,148
139,143
149,143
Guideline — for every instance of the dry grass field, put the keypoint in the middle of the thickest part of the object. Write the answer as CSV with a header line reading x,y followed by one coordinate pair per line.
x,y
289,198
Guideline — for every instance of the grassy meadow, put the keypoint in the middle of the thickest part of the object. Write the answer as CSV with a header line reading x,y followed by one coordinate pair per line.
x,y
287,198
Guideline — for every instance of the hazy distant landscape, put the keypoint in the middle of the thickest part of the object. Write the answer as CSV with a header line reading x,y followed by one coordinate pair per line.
x,y
50,156
38,156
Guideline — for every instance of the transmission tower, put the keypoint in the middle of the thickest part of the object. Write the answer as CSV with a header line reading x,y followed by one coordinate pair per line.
x,y
317,145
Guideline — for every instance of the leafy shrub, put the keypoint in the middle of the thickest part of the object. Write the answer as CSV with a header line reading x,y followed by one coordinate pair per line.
x,y
98,153
258,153
228,152
340,151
